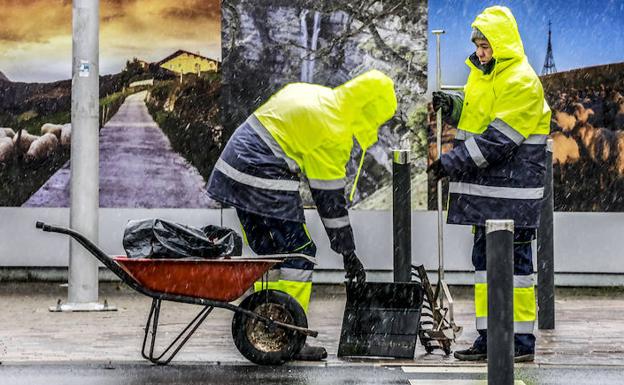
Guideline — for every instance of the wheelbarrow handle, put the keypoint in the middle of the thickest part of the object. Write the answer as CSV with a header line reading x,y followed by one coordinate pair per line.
x,y
90,246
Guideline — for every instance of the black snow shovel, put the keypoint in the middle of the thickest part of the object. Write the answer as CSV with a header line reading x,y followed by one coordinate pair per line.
x,y
381,319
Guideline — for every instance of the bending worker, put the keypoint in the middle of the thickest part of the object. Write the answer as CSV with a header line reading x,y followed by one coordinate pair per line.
x,y
303,129
497,165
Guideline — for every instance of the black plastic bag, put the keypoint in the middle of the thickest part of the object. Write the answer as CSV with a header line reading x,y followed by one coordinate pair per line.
x,y
158,238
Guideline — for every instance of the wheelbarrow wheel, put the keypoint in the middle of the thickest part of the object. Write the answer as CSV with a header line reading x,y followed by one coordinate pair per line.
x,y
269,345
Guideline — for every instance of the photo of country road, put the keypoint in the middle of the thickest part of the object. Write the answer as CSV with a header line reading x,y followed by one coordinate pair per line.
x,y
138,167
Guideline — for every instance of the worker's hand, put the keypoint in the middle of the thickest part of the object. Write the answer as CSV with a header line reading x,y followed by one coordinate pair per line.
x,y
444,101
436,171
353,267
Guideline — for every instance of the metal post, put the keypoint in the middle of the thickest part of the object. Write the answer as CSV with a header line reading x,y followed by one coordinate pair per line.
x,y
84,201
401,215
440,206
545,251
500,327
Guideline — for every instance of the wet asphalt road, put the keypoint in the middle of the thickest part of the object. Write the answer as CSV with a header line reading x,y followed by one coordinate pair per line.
x,y
143,374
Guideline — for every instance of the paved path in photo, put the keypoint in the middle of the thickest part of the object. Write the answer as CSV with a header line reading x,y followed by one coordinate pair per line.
x,y
138,167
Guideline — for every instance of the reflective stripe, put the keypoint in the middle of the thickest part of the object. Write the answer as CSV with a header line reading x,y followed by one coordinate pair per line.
x,y
482,323
524,327
335,184
519,280
496,191
508,131
336,223
463,134
536,139
254,181
270,141
532,139
297,275
480,276
475,153
520,327
524,281
273,275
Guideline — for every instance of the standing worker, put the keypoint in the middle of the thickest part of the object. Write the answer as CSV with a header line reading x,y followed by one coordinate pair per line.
x,y
303,129
497,165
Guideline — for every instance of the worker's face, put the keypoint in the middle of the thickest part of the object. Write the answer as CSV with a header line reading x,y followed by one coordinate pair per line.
x,y
484,50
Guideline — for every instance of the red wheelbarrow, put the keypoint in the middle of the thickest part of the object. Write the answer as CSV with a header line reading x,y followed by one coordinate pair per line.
x,y
269,327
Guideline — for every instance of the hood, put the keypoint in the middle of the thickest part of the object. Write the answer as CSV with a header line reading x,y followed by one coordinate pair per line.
x,y
367,101
499,26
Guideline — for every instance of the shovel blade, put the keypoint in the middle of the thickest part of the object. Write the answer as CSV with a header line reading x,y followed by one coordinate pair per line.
x,y
381,319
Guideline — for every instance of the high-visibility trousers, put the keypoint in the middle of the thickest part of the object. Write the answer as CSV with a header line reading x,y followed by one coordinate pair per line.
x,y
524,288
266,235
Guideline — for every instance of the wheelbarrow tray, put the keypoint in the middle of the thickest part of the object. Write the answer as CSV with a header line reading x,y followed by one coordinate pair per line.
x,y
217,280
208,283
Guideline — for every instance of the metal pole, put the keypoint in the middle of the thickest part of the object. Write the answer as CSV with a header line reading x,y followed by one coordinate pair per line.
x,y
439,32
401,215
546,251
84,201
500,327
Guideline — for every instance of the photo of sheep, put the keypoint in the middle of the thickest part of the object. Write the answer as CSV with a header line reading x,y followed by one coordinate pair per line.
x,y
269,43
160,83
583,80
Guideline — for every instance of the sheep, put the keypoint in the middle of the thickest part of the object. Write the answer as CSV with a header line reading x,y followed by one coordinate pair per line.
x,y
2,133
6,149
9,132
42,147
619,162
25,140
52,129
66,135
600,143
565,149
581,113
565,121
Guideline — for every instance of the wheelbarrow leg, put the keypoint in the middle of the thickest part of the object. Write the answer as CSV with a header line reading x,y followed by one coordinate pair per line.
x,y
151,327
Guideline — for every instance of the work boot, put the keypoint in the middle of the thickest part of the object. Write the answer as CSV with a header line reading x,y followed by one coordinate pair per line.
x,y
311,353
471,354
474,354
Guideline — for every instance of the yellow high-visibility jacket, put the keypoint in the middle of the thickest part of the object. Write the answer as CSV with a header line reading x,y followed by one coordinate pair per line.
x,y
497,165
309,129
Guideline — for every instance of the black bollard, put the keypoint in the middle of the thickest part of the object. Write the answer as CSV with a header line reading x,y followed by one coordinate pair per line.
x,y
500,326
401,215
546,251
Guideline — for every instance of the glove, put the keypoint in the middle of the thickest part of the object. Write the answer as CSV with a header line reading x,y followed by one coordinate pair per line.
x,y
444,101
353,267
436,170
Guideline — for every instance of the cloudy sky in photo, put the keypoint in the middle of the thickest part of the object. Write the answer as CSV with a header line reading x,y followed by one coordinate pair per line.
x,y
36,35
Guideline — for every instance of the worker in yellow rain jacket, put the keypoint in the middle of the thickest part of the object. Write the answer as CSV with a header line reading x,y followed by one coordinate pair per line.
x,y
303,129
497,165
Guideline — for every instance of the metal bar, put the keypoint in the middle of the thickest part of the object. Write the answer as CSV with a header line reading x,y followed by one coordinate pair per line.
x,y
439,184
148,327
401,216
546,251
84,203
445,87
500,327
